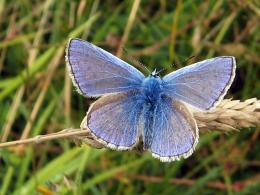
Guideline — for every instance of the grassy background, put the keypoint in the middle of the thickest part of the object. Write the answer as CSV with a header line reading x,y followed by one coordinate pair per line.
x,y
36,96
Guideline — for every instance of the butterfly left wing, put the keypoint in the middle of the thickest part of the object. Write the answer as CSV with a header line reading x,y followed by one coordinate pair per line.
x,y
96,72
202,84
113,120
175,133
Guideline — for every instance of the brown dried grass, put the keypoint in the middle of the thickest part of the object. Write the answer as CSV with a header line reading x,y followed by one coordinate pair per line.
x,y
230,115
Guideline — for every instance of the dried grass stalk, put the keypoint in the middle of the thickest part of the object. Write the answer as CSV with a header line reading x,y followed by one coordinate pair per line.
x,y
229,115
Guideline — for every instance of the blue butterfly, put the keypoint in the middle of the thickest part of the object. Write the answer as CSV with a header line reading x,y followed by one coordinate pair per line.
x,y
153,109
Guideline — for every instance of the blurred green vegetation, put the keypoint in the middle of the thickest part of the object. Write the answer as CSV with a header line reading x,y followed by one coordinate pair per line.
x,y
36,96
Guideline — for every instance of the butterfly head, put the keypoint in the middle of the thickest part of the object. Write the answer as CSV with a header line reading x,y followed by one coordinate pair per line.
x,y
156,73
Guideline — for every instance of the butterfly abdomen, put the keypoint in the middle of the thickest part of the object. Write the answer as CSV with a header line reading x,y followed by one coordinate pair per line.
x,y
148,112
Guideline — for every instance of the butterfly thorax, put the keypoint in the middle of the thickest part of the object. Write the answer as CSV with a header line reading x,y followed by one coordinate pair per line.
x,y
152,88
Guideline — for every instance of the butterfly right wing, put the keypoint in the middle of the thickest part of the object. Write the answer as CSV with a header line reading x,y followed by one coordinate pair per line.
x,y
96,72
202,84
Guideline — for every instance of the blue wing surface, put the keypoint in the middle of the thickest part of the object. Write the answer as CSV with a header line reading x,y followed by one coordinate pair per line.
x,y
114,120
96,72
202,84
175,133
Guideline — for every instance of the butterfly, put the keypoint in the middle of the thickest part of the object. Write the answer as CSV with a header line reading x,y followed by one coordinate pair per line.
x,y
133,107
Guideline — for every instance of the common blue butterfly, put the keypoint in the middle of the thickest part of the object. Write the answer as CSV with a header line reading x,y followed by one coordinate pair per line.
x,y
151,108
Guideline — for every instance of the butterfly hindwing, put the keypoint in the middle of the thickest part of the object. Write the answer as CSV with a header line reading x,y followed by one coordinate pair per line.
x,y
202,84
96,72
114,120
175,133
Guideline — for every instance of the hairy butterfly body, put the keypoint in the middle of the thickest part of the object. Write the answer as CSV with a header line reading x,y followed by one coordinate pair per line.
x,y
133,106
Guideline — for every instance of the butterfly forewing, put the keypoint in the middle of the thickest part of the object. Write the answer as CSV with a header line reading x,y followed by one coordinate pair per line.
x,y
202,84
96,72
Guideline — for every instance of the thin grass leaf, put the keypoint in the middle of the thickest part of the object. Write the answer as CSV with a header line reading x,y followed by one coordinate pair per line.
x,y
107,174
27,73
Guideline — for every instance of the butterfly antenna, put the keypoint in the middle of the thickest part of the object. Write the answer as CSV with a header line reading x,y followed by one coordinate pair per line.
x,y
163,69
188,59
135,61
184,62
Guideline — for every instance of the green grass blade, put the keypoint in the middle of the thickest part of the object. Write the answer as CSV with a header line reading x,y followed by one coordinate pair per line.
x,y
107,174
7,180
52,168
27,73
